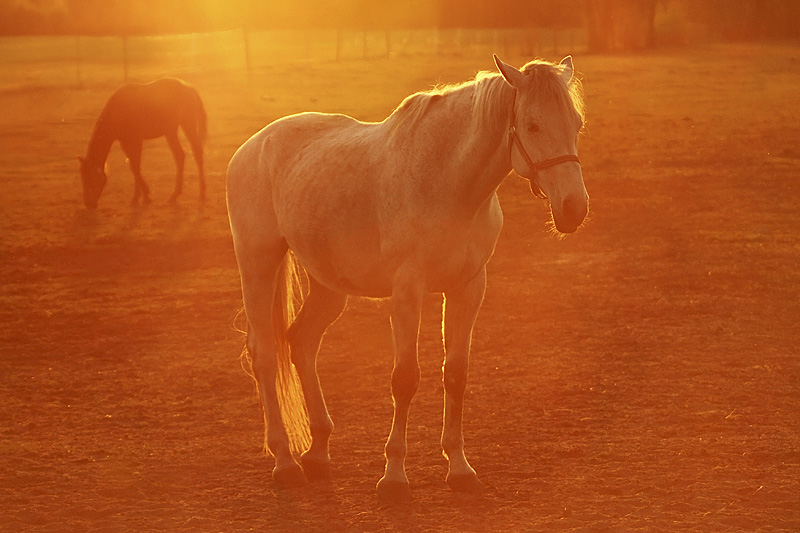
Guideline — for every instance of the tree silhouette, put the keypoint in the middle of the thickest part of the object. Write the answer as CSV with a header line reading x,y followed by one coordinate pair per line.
x,y
620,24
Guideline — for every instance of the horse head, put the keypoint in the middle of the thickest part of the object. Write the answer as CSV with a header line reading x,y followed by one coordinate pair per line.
x,y
93,177
543,136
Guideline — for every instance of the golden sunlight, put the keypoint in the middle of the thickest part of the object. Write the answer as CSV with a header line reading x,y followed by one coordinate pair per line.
x,y
195,193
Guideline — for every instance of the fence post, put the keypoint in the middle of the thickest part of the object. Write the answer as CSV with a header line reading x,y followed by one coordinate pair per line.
x,y
78,61
246,38
125,55
555,42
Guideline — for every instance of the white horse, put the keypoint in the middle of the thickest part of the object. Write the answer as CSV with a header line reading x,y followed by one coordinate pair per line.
x,y
398,208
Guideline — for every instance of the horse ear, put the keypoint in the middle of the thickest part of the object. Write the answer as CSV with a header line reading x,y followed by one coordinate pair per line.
x,y
568,72
514,77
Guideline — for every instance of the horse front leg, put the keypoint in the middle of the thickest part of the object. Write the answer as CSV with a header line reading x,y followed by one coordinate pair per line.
x,y
460,310
133,150
406,309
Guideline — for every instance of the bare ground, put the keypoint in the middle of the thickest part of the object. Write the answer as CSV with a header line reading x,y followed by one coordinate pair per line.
x,y
641,375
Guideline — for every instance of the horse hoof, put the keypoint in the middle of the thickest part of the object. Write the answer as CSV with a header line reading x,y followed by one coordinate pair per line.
x,y
289,476
393,491
316,470
468,483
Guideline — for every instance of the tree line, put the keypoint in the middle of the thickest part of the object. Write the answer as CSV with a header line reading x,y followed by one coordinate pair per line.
x,y
610,24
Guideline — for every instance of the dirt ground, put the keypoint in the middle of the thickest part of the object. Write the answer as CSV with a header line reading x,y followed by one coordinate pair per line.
x,y
640,375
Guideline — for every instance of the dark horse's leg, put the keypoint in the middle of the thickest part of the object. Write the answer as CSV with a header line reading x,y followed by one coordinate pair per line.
x,y
197,150
133,149
179,155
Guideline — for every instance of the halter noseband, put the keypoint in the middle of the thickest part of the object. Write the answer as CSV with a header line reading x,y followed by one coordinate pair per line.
x,y
513,139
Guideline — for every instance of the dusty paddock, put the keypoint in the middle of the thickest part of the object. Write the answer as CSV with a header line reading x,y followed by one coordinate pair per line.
x,y
641,375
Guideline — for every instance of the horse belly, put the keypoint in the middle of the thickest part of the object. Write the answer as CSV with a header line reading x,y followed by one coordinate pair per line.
x,y
348,263
338,242
349,253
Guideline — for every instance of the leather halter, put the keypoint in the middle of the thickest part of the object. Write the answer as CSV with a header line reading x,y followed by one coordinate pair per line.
x,y
514,140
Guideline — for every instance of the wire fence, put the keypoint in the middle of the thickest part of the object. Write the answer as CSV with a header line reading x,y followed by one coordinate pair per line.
x,y
86,60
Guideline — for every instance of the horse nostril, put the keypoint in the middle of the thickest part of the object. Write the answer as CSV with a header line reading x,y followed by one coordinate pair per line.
x,y
574,209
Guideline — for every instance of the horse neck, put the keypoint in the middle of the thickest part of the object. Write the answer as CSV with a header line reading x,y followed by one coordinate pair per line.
x,y
472,156
486,142
100,142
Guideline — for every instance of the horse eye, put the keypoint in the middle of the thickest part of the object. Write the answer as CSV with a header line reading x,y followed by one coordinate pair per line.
x,y
533,128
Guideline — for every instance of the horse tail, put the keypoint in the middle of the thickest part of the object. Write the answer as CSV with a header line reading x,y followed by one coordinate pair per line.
x,y
286,303
288,299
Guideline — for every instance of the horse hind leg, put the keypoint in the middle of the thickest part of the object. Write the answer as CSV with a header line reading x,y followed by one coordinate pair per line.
x,y
320,309
197,151
179,156
260,269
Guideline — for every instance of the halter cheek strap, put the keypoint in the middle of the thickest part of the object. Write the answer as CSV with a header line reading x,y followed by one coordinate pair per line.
x,y
514,140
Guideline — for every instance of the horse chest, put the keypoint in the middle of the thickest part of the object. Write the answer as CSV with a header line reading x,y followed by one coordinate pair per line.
x,y
456,256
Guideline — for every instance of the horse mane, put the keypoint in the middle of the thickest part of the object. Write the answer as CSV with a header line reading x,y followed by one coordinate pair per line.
x,y
545,76
415,106
411,110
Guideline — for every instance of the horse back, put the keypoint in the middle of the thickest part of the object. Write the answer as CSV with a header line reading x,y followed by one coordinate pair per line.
x,y
154,109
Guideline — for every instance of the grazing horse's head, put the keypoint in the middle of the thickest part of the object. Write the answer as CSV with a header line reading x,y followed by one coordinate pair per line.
x,y
93,177
543,137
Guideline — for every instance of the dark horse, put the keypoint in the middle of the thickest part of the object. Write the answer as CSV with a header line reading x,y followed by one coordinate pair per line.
x,y
136,112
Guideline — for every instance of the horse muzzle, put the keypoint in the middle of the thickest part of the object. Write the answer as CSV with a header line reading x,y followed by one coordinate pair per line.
x,y
571,215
